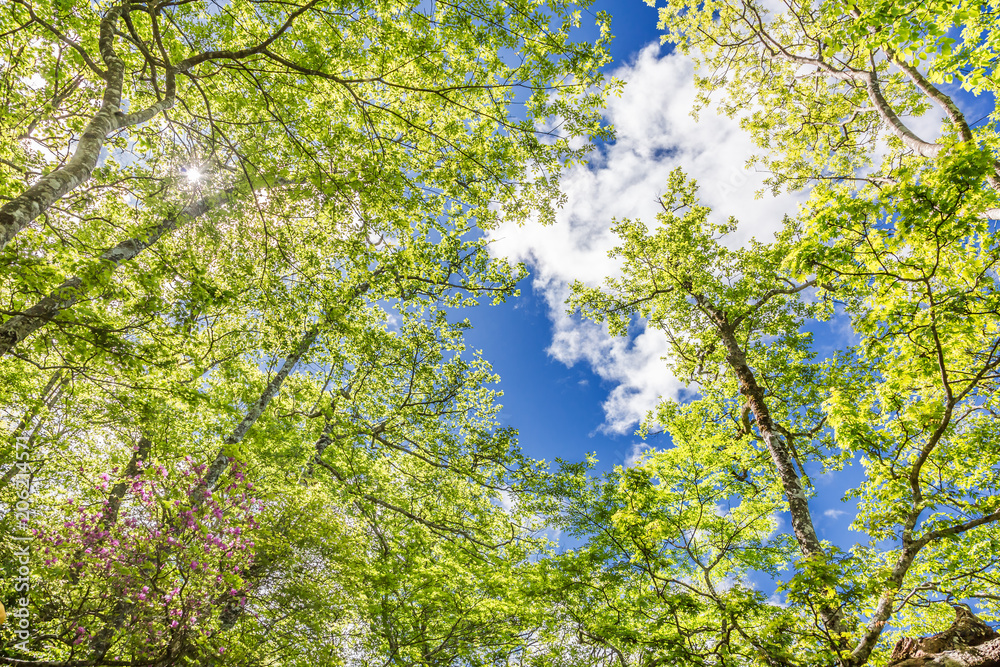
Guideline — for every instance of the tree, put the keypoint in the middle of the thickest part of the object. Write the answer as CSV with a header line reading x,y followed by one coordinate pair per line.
x,y
202,503
911,408
235,240
832,90
304,90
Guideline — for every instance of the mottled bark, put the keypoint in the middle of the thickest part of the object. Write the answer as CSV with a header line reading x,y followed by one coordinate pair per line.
x,y
867,78
72,290
954,114
9,475
801,517
889,115
947,104
114,502
18,212
221,461
802,525
885,111
983,655
109,517
969,642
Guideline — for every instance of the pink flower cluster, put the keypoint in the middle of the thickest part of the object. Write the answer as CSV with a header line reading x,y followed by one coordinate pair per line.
x,y
171,555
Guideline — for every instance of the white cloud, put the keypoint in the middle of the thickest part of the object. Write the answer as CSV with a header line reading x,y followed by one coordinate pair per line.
x,y
834,514
655,134
506,500
635,453
634,367
778,600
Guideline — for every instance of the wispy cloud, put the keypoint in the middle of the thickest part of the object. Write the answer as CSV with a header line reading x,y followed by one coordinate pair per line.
x,y
635,453
655,134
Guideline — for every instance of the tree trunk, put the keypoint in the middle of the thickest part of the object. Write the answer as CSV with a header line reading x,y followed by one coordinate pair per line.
x,y
969,642
18,212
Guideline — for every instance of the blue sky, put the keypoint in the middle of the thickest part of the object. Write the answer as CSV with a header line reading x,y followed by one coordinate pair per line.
x,y
556,407
568,388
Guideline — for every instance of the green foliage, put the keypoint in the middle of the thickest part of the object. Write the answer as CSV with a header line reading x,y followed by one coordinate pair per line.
x,y
233,358
241,424
833,90
909,408
895,245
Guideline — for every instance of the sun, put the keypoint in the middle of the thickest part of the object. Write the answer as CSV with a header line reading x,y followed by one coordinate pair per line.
x,y
193,174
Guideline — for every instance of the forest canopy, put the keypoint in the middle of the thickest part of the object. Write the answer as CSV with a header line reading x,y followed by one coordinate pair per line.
x,y
241,421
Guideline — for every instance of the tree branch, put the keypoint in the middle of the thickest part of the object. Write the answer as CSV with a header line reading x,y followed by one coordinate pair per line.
x,y
72,290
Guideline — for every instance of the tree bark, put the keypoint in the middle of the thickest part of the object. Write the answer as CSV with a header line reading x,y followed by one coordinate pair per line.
x,y
223,458
969,642
986,654
18,212
868,78
802,525
916,144
114,502
102,640
798,504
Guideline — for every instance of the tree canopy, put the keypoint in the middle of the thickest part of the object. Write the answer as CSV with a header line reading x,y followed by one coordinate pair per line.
x,y
242,425
909,410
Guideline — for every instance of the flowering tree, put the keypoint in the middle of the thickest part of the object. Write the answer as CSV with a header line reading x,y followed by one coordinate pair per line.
x,y
161,563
